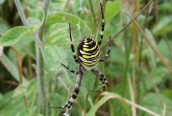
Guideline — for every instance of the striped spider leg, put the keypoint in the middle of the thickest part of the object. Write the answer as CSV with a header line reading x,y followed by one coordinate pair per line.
x,y
103,26
108,52
73,71
72,45
69,104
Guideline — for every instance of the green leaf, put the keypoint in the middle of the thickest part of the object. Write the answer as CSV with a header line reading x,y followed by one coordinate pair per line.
x,y
10,105
163,48
41,14
13,36
150,35
53,55
168,93
11,67
157,75
163,26
166,6
3,28
120,58
33,21
58,34
112,9
21,90
37,21
154,103
76,23
26,89
116,70
104,99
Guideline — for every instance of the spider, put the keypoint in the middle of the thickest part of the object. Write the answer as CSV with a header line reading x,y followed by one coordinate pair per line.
x,y
88,57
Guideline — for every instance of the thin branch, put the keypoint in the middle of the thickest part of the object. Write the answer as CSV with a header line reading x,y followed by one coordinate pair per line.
x,y
19,63
154,48
67,4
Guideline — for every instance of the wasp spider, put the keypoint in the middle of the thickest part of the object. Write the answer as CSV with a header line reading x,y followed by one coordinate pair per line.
x,y
88,57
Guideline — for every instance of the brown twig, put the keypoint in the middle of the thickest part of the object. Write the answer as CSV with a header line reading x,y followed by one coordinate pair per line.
x,y
19,63
154,48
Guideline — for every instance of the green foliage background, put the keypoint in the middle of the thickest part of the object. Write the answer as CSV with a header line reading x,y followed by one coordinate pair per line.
x,y
134,70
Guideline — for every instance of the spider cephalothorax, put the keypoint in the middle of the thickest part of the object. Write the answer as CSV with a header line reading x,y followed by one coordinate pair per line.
x,y
87,57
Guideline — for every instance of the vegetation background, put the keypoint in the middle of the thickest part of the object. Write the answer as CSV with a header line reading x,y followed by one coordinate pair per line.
x,y
34,39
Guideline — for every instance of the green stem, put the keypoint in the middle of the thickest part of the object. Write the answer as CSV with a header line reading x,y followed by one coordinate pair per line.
x,y
40,78
21,13
23,18
39,58
92,11
45,7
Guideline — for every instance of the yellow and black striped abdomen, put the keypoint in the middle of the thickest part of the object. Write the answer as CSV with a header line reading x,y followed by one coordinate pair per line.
x,y
88,53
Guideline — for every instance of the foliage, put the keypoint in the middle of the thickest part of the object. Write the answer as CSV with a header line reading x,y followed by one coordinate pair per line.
x,y
140,81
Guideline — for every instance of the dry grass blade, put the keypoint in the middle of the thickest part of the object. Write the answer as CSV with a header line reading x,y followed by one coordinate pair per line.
x,y
154,48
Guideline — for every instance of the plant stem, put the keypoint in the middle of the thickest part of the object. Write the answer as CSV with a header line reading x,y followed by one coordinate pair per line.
x,y
45,7
40,78
21,13
92,11
154,48
23,18
39,58
40,61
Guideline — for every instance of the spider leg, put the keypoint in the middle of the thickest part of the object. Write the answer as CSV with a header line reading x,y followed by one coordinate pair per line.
x,y
76,72
108,52
69,104
102,79
72,45
103,26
